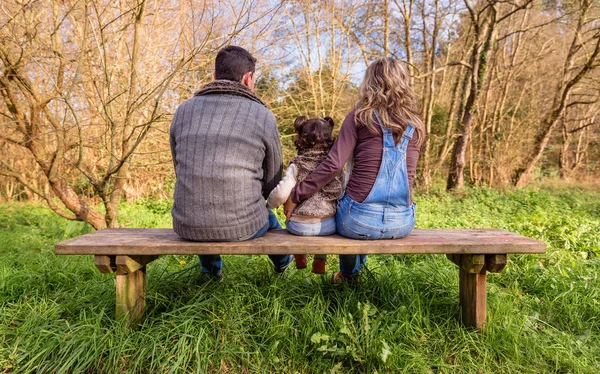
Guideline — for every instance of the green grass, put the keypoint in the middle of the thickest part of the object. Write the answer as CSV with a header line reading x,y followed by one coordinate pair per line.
x,y
56,313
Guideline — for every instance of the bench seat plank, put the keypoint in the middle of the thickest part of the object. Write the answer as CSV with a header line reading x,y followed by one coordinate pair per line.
x,y
131,242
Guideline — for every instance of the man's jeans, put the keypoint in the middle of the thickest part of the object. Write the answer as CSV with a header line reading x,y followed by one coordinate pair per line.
x,y
213,264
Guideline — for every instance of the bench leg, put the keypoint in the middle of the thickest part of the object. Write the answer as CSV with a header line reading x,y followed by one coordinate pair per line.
x,y
472,282
473,297
131,295
131,285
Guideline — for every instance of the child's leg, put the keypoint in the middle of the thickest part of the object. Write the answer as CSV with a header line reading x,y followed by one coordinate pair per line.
x,y
322,228
318,265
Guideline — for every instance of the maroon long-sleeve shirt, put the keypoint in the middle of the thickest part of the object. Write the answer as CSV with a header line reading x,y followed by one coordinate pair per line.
x,y
368,149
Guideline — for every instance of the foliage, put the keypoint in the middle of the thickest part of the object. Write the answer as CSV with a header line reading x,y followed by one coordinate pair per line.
x,y
56,313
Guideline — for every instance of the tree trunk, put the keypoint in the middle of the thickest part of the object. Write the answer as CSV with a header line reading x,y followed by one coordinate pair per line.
x,y
479,62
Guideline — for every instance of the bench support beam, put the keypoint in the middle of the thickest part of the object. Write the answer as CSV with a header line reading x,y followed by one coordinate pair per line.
x,y
131,296
105,264
472,295
472,284
495,263
131,284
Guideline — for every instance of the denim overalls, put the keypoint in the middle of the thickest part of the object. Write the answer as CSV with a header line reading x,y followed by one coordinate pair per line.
x,y
386,212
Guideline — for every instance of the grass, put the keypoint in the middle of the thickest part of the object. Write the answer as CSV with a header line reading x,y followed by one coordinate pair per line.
x,y
56,313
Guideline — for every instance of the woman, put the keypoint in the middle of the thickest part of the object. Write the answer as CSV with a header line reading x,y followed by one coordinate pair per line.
x,y
383,135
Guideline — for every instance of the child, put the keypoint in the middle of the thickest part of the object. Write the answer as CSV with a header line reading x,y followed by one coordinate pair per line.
x,y
315,216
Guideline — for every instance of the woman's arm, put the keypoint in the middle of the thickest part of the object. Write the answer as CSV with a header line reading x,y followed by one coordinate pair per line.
x,y
332,165
281,193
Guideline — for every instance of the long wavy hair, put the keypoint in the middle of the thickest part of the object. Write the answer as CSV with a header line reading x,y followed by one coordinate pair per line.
x,y
386,88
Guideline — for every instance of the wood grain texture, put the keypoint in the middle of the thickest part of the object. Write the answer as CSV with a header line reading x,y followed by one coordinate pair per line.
x,y
495,263
129,264
131,296
454,258
105,264
472,295
472,263
421,241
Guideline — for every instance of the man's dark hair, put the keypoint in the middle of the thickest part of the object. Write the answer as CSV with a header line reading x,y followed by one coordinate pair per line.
x,y
232,63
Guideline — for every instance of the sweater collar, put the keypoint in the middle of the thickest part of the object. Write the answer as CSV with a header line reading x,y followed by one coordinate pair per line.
x,y
227,87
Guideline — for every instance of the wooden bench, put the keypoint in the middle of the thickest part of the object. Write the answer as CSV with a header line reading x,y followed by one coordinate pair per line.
x,y
128,251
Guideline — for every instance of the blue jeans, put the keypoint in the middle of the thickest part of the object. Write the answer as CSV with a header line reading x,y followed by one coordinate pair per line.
x,y
371,222
213,264
323,228
365,224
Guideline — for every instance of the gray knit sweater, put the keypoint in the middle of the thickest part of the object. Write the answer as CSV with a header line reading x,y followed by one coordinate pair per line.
x,y
227,158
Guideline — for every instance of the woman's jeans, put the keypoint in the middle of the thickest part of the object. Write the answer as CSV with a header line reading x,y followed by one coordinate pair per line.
x,y
323,228
358,221
213,264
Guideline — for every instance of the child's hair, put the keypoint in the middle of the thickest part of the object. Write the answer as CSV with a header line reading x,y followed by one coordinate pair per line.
x,y
313,133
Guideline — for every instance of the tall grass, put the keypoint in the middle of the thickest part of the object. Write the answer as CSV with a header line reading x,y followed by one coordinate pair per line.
x,y
57,313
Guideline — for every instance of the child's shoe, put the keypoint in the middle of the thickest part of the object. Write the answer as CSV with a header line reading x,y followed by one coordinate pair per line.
x,y
318,266
301,261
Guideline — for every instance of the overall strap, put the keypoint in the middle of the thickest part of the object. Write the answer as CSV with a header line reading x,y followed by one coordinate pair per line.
x,y
379,121
407,136
388,138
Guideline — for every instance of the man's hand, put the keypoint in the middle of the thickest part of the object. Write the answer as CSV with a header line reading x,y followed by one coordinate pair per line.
x,y
288,207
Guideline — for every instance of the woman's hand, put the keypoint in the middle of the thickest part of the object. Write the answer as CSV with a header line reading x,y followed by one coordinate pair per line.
x,y
288,207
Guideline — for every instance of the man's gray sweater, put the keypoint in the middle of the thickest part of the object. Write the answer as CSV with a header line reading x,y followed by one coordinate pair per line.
x,y
227,156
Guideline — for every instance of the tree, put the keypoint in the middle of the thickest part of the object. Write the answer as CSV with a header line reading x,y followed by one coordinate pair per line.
x,y
84,82
582,58
485,20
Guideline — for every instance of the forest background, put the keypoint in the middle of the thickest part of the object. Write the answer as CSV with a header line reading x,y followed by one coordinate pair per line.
x,y
509,90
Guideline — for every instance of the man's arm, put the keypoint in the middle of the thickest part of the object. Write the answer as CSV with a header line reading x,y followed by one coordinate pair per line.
x,y
273,162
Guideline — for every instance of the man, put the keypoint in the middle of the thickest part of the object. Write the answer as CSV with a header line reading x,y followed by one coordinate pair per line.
x,y
227,158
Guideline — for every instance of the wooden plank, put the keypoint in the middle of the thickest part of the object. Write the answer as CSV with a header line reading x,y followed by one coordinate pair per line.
x,y
495,263
420,241
131,296
105,264
472,294
472,263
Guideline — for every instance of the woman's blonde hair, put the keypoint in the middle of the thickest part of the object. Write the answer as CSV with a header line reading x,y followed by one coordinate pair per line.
x,y
386,89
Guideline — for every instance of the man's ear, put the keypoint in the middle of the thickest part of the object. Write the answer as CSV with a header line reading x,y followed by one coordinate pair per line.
x,y
329,120
299,122
214,75
248,80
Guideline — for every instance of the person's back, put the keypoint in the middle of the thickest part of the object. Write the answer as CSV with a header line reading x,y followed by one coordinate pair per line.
x,y
226,156
227,159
